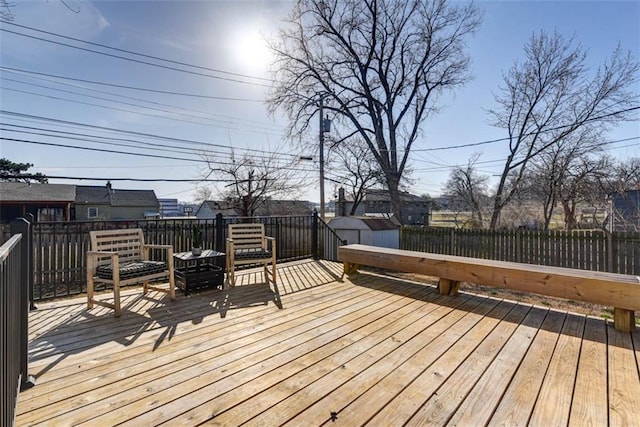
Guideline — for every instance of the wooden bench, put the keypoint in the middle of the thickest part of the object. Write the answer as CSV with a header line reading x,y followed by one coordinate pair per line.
x,y
120,257
613,290
247,244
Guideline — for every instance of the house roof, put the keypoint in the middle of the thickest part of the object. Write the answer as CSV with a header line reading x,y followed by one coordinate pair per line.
x,y
92,195
86,194
284,207
383,195
225,208
269,207
35,192
375,195
134,198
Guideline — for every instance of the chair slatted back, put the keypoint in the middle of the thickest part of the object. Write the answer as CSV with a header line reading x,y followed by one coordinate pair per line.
x,y
247,236
127,243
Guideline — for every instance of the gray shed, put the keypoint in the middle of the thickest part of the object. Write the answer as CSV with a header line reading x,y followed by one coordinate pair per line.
x,y
367,231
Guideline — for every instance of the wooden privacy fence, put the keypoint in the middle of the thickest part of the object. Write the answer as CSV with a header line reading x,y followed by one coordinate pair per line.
x,y
617,252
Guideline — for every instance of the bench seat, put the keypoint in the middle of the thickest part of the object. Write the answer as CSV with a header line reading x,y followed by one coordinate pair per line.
x,y
620,291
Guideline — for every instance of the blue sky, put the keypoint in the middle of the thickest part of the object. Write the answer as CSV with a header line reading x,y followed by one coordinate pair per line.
x,y
227,36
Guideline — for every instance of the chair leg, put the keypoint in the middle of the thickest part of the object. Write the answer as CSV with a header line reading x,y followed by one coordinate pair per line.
x,y
231,276
116,298
172,286
89,291
273,269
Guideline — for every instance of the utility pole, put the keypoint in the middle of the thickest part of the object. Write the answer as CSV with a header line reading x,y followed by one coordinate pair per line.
x,y
321,157
325,126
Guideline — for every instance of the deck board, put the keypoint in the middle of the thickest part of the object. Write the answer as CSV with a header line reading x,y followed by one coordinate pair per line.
x,y
318,348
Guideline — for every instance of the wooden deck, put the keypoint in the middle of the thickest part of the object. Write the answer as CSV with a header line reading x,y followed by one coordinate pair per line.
x,y
371,350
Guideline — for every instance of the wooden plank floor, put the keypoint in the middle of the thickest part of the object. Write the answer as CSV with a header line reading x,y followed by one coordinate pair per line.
x,y
369,349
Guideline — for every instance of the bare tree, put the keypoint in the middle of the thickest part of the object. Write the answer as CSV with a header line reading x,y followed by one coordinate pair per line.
x,y
580,186
560,173
252,180
6,12
355,167
377,65
619,185
202,194
471,188
550,96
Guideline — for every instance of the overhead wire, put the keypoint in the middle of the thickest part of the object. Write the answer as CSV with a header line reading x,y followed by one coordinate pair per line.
x,y
135,60
215,70
136,88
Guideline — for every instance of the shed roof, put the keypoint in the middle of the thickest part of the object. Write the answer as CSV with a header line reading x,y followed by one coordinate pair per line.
x,y
360,223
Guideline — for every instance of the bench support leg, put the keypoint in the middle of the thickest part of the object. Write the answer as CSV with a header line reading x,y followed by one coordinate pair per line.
x,y
448,287
624,320
350,267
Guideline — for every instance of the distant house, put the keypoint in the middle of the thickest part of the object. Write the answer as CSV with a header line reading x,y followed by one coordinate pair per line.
x,y
63,202
170,208
626,210
415,209
46,202
210,208
284,208
107,203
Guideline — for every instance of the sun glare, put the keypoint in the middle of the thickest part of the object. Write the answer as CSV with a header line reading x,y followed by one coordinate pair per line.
x,y
251,52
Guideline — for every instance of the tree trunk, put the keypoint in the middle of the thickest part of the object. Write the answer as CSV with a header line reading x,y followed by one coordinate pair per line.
x,y
393,183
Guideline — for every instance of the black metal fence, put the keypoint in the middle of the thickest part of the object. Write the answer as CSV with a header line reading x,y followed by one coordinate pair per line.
x,y
14,308
60,248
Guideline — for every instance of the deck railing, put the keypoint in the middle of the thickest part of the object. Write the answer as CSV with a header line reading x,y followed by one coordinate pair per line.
x,y
14,310
60,247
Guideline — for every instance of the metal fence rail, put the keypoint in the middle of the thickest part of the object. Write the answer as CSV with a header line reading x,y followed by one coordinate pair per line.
x,y
60,248
14,312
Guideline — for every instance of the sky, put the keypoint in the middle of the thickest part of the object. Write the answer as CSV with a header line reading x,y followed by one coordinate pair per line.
x,y
55,115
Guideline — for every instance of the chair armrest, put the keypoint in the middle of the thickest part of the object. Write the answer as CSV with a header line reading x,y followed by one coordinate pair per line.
x,y
167,248
270,241
93,255
159,246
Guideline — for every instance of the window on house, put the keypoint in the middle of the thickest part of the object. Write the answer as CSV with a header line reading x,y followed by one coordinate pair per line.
x,y
50,214
92,212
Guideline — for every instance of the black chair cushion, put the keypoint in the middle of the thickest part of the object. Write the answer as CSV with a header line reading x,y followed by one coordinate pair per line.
x,y
252,253
130,270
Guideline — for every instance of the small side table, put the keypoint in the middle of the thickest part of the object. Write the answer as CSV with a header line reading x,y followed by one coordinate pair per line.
x,y
198,272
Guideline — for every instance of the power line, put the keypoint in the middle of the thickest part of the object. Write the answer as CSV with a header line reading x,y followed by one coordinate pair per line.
x,y
138,53
164,92
136,60
59,98
146,155
491,141
129,132
262,124
82,178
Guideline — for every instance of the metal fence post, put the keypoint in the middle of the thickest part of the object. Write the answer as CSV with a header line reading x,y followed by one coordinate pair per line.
x,y
314,235
22,226
219,242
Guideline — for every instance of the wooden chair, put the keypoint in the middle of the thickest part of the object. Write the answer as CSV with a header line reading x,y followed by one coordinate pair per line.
x,y
247,244
120,257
